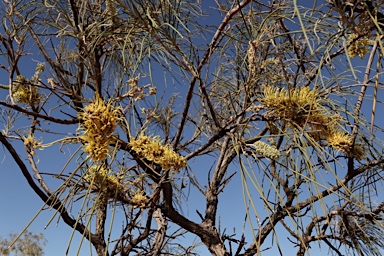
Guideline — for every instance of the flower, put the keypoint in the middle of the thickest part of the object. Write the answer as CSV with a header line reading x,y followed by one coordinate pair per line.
x,y
266,150
339,140
152,90
139,199
151,150
343,142
39,68
358,47
99,123
301,104
24,92
102,178
32,143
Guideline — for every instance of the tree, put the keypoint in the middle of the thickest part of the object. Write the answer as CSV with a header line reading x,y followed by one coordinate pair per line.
x,y
29,244
144,100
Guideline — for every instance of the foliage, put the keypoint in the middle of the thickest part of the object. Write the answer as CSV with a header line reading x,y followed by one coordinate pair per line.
x,y
141,101
29,244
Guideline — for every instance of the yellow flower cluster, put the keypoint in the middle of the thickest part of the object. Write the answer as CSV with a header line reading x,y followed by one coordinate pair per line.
x,y
358,47
266,150
342,141
339,140
99,123
32,143
24,92
302,106
139,199
102,178
151,150
39,68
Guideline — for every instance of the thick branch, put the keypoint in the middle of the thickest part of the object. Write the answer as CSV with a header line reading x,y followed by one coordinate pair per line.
x,y
208,236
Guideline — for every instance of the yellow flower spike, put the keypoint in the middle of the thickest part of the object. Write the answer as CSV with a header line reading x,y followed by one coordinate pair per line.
x,y
102,178
358,47
339,140
139,199
151,150
343,142
99,122
23,92
32,142
301,105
